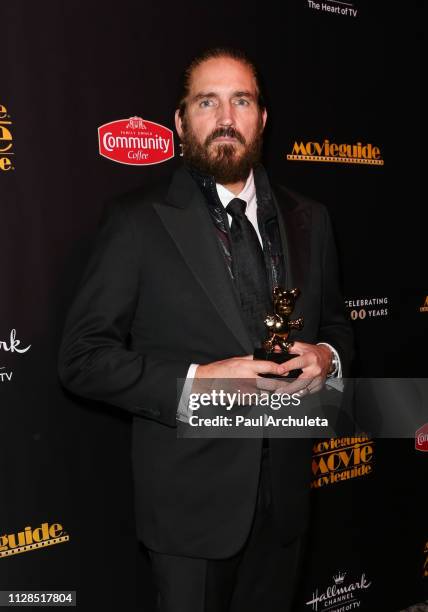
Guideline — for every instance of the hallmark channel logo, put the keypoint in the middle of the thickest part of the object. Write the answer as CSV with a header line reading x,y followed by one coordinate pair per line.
x,y
340,595
11,345
332,7
421,438
339,459
424,307
370,307
327,151
136,142
31,539
6,140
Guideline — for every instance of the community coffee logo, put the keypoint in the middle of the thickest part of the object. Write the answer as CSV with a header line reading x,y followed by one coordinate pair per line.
x,y
327,151
340,595
6,140
11,346
30,539
331,6
136,142
370,307
338,459
424,307
421,438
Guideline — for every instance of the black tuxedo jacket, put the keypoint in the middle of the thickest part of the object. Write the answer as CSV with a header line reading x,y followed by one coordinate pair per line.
x,y
156,296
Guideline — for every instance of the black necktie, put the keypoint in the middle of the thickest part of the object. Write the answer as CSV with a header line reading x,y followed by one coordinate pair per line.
x,y
249,271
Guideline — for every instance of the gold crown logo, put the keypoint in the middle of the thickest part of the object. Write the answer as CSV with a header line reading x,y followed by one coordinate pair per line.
x,y
339,578
136,123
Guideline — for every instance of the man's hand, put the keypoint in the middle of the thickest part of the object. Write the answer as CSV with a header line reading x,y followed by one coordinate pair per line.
x,y
246,372
238,367
314,360
233,373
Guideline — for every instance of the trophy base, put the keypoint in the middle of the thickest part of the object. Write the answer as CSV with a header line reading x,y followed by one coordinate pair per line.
x,y
260,353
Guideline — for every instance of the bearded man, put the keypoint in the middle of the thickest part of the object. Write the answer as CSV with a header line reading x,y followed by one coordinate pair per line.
x,y
177,287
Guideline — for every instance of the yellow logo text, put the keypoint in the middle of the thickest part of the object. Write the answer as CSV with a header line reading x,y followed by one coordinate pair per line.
x,y
424,308
30,539
339,459
327,151
5,140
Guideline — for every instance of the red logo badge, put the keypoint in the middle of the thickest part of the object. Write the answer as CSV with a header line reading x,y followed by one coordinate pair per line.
x,y
135,142
421,438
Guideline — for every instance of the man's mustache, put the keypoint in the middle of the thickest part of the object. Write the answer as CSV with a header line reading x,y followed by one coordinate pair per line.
x,y
228,132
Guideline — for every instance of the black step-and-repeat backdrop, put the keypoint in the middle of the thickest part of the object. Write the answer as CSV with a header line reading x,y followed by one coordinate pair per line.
x,y
80,84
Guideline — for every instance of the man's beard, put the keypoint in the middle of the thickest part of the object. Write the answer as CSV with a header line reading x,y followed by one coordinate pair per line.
x,y
221,161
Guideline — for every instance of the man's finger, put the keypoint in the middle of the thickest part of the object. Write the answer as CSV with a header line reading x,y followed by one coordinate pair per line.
x,y
292,364
268,384
266,367
298,348
316,384
293,387
316,389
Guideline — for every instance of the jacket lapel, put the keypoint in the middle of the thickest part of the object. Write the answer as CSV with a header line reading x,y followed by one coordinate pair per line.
x,y
295,230
187,220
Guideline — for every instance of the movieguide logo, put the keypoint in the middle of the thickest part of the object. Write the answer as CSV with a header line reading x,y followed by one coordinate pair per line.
x,y
6,140
343,153
31,539
424,307
339,459
136,142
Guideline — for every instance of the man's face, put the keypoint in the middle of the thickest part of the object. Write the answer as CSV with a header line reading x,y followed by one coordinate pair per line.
x,y
221,130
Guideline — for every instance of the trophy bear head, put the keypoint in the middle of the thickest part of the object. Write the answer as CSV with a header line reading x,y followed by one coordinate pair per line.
x,y
284,301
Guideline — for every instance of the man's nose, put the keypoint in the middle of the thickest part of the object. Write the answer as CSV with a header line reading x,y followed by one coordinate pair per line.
x,y
225,114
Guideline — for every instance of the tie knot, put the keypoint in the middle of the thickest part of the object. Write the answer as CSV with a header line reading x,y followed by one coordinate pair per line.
x,y
236,208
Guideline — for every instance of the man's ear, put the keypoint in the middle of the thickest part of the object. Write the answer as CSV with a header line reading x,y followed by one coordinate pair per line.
x,y
178,123
264,117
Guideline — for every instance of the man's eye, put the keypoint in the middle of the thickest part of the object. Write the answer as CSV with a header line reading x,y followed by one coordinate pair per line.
x,y
205,103
242,101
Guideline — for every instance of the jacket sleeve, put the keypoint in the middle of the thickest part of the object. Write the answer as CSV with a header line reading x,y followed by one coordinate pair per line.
x,y
335,327
95,358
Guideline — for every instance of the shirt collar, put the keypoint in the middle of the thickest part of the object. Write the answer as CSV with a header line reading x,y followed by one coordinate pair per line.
x,y
247,193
